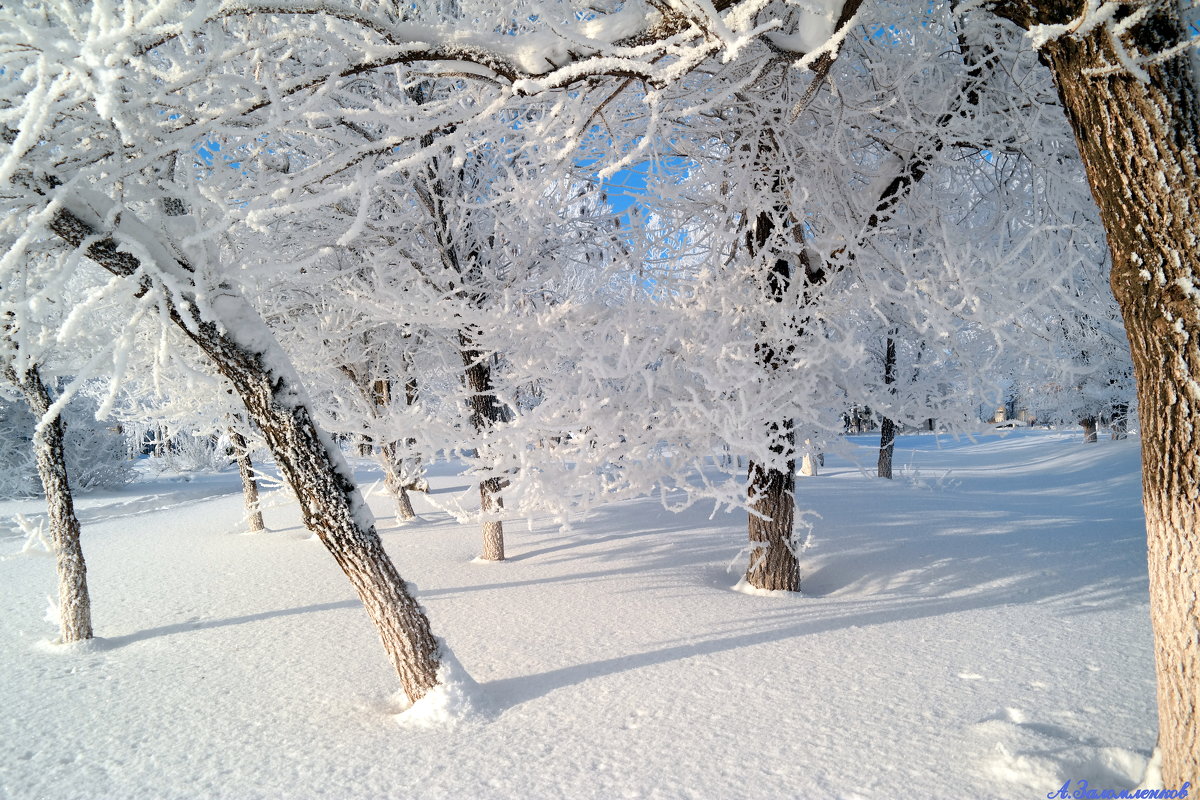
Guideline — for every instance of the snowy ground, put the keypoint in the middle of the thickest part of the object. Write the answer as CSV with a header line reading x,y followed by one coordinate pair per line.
x,y
976,628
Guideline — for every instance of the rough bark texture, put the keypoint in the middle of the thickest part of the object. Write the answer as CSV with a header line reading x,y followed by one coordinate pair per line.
x,y
396,485
74,602
241,451
1139,141
1089,430
773,563
331,505
333,509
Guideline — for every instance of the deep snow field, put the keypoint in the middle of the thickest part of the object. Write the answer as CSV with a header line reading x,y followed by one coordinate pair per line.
x,y
978,627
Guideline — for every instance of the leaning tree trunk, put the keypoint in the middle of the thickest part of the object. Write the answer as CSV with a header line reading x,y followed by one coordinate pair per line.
x,y
486,411
241,452
1089,430
332,508
74,603
331,505
1139,143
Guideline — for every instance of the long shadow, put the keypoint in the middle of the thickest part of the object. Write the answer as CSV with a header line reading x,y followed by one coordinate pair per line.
x,y
187,627
601,533
507,693
540,580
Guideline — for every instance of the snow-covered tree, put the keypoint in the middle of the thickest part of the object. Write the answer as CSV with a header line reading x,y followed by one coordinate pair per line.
x,y
823,211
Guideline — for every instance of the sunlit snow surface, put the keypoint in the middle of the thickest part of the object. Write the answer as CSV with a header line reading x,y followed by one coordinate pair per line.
x,y
976,628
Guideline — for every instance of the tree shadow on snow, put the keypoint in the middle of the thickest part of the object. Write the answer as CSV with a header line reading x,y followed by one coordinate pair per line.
x,y
905,554
198,625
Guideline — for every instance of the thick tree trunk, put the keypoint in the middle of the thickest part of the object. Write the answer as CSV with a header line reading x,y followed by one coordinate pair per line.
x,y
74,603
1139,141
1089,430
485,411
887,430
241,452
331,505
773,562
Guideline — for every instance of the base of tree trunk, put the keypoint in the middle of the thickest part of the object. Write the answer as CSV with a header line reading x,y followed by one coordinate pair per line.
x,y
773,563
493,541
254,517
1090,435
404,507
493,529
887,447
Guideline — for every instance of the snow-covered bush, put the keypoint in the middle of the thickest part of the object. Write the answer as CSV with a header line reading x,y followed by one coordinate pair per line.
x,y
187,452
19,477
96,454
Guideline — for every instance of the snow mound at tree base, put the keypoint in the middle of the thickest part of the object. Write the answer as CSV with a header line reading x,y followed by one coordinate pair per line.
x,y
456,698
745,587
59,647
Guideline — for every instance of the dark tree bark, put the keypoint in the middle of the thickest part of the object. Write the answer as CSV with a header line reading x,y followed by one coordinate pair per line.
x,y
74,602
241,452
887,429
1139,140
330,503
773,562
1089,430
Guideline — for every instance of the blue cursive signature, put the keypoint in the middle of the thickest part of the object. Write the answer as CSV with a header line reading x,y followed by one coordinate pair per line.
x,y
1082,792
